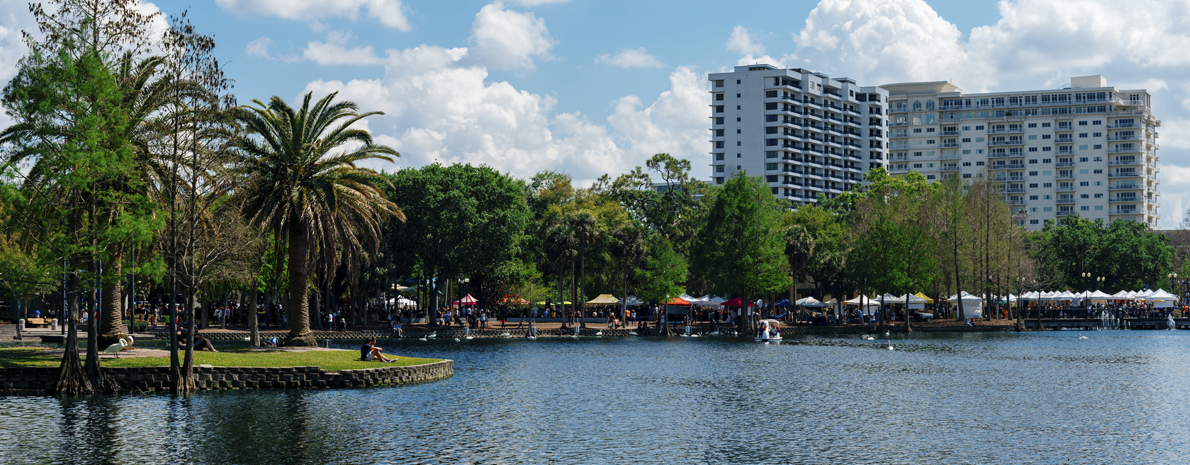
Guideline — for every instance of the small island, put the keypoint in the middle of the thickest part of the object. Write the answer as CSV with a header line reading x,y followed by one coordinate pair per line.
x,y
34,369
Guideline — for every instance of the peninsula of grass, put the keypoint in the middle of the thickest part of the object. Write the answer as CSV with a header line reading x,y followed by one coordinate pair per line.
x,y
328,360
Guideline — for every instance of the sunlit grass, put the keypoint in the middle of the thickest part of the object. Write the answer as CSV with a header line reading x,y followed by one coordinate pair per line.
x,y
329,360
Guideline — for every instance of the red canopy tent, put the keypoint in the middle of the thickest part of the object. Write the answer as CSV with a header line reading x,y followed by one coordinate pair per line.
x,y
466,300
678,301
514,300
736,302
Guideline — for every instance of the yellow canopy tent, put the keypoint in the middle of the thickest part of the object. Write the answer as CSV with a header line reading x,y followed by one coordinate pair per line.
x,y
928,300
604,299
555,303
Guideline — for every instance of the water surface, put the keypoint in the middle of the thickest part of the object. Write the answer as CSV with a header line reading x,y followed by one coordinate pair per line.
x,y
1116,397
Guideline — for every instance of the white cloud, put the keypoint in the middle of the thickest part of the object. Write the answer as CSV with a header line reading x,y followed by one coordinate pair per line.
x,y
742,42
336,52
505,39
630,58
390,13
259,47
533,3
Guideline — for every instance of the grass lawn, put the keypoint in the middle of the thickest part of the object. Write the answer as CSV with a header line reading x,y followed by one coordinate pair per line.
x,y
329,360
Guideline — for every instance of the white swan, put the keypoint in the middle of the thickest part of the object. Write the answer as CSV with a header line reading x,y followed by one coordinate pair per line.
x,y
116,348
433,335
470,338
422,339
632,333
599,334
890,347
1081,337
506,334
456,339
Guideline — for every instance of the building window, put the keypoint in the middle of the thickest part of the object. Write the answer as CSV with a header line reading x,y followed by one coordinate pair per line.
x,y
1098,146
1082,171
1045,125
1032,136
1032,173
1084,196
1033,161
1032,149
966,175
1032,125
1097,122
979,128
1097,134
1048,209
1046,136
719,168
1083,183
917,165
1084,208
1082,123
1047,185
718,108
1032,197
966,140
1047,160
1033,185
1098,207
719,97
1047,149
1034,221
1099,196
966,128
979,163
966,163
1047,173
1082,159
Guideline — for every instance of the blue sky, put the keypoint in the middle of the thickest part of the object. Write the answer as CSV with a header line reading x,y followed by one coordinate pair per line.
x,y
592,87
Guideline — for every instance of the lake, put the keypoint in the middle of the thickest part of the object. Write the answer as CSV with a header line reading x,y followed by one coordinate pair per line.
x,y
1115,397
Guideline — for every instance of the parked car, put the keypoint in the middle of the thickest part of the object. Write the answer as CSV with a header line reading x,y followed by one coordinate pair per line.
x,y
922,316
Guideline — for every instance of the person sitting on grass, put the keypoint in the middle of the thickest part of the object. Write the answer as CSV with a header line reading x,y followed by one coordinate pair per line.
x,y
370,352
202,343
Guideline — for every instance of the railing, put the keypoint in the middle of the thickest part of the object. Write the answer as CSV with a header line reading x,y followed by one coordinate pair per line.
x,y
1118,125
1065,189
1125,174
1065,151
1119,198
1064,164
1125,212
1118,162
1123,186
950,133
1135,148
950,168
1125,137
1065,127
1011,190
1008,166
1065,176
1009,154
950,156
1005,131
1007,142
1065,199
950,144
1016,201
1064,140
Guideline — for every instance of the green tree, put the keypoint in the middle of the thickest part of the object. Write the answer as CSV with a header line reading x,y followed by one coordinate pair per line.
x,y
469,221
305,187
741,248
664,274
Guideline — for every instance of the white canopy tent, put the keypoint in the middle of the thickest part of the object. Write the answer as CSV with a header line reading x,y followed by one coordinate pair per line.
x,y
1162,299
632,300
863,300
810,302
972,305
707,301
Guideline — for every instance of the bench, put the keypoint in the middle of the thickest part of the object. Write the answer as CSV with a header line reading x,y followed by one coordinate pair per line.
x,y
36,322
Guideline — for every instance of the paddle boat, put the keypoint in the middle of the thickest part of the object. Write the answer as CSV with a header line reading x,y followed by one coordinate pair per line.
x,y
769,331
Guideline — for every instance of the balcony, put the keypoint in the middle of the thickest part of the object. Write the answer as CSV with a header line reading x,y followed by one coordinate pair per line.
x,y
1065,150
1061,175
1123,198
1064,164
1065,188
1125,137
1064,127
1124,211
1135,148
1122,124
1008,130
1065,200
1124,161
950,168
1009,154
950,132
993,143
1120,186
1007,178
1064,140
1125,174
1016,201
1007,166
1062,213
950,156
1011,190
950,143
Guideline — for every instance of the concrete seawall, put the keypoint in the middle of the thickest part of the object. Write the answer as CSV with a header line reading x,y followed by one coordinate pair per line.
x,y
156,379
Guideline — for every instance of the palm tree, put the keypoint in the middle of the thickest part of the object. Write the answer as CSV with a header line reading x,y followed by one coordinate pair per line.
x,y
320,202
560,243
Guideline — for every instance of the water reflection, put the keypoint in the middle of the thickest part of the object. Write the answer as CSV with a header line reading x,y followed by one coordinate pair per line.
x,y
985,398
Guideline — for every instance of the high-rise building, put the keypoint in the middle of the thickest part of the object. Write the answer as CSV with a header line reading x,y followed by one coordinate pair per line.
x,y
1088,148
806,133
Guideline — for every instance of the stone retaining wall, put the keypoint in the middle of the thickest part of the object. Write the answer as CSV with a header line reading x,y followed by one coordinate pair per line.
x,y
8,332
149,379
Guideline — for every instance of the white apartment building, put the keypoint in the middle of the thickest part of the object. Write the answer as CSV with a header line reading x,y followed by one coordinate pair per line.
x,y
806,133
1088,149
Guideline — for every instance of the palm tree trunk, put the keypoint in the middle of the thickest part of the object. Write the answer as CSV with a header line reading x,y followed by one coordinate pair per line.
x,y
299,304
582,276
112,327
253,327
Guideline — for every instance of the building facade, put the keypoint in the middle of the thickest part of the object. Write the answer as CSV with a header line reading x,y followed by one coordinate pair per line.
x,y
1088,149
806,133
